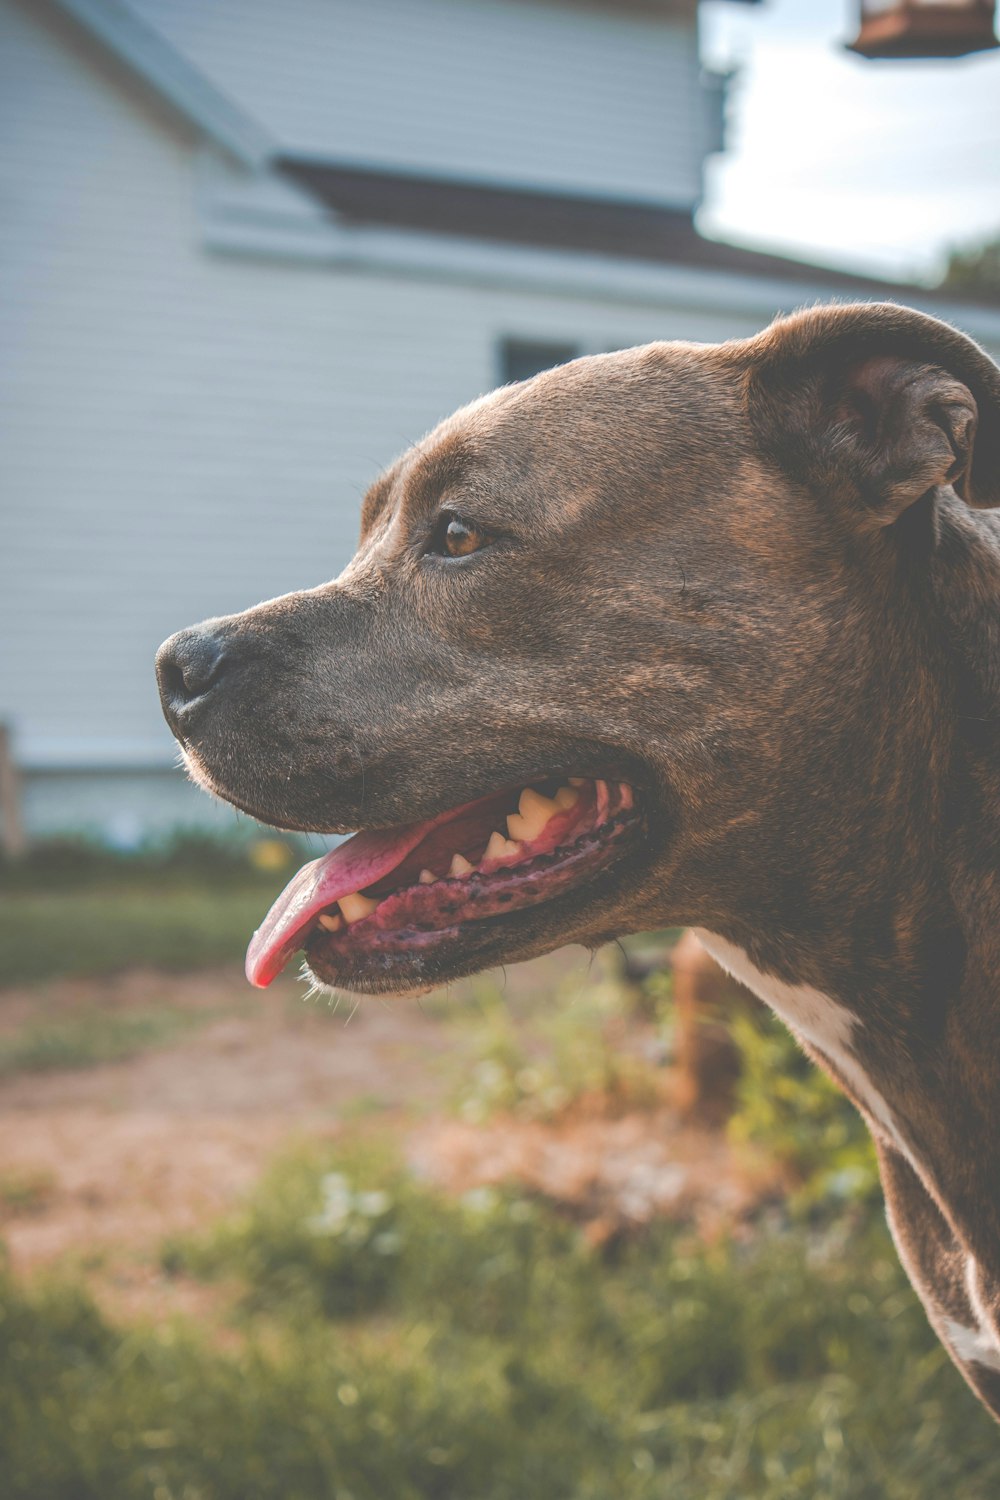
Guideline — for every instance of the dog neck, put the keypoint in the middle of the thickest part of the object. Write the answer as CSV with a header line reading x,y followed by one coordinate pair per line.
x,y
895,987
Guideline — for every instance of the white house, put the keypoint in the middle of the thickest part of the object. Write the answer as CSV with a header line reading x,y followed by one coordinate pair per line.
x,y
249,251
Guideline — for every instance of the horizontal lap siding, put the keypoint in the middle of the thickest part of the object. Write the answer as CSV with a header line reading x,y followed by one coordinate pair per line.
x,y
582,98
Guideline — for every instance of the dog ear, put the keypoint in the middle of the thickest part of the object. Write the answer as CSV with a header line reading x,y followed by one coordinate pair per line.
x,y
878,404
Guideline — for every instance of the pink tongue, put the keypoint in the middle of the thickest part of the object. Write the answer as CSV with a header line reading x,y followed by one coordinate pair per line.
x,y
359,862
352,866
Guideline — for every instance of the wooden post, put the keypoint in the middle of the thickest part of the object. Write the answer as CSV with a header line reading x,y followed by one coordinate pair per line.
x,y
12,840
708,1059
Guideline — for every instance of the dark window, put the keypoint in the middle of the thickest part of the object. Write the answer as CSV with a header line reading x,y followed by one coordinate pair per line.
x,y
522,358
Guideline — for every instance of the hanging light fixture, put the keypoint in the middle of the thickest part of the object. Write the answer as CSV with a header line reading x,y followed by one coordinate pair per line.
x,y
924,28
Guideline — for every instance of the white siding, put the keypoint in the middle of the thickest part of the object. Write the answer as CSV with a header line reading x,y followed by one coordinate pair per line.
x,y
123,808
587,98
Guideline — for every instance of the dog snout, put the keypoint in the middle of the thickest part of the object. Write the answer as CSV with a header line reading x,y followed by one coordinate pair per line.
x,y
188,666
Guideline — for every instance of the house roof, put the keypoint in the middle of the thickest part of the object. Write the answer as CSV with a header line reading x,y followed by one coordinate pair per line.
x,y
598,225
174,77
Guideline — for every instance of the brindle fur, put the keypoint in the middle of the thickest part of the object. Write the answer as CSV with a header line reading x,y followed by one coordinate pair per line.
x,y
753,580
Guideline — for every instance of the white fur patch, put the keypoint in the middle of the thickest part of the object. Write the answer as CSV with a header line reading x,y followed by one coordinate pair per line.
x,y
987,1330
971,1345
824,1023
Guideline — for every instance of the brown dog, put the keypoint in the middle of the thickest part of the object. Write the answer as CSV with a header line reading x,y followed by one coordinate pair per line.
x,y
684,635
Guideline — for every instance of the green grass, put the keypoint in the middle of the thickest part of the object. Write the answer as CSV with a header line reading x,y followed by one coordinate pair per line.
x,y
115,927
25,1190
77,909
74,864
399,1346
94,1036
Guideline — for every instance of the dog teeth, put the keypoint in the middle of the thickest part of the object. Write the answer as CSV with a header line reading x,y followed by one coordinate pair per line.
x,y
532,804
459,867
496,848
501,848
578,781
356,907
533,812
603,800
566,797
426,878
625,795
333,922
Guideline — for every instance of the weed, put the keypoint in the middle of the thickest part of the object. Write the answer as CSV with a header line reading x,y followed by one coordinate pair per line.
x,y
792,1110
580,1061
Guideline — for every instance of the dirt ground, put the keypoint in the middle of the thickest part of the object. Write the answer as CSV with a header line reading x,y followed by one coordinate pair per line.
x,y
113,1158
102,1163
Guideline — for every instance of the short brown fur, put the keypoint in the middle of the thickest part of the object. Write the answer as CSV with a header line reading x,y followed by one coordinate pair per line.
x,y
756,581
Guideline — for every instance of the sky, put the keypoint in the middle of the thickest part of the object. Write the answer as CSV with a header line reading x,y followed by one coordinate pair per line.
x,y
873,166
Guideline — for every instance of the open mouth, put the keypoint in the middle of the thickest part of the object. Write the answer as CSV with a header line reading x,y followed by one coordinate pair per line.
x,y
390,895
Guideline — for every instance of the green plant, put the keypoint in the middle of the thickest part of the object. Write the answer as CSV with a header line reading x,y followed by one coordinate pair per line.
x,y
791,1109
578,1059
348,1235
975,267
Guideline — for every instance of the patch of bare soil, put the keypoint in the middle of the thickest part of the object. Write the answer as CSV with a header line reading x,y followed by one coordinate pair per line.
x,y
265,1054
138,989
101,1163
613,1174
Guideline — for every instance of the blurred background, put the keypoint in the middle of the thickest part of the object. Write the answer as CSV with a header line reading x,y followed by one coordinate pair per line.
x,y
588,1229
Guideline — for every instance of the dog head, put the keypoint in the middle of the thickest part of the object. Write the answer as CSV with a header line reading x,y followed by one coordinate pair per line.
x,y
669,592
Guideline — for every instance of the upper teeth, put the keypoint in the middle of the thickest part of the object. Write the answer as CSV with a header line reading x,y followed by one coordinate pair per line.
x,y
501,848
534,810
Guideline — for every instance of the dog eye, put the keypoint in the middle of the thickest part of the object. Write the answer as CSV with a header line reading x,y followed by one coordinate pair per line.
x,y
454,537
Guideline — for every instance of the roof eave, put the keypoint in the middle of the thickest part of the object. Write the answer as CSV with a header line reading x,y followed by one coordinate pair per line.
x,y
174,78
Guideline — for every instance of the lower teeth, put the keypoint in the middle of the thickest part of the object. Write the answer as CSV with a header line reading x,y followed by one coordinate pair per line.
x,y
477,887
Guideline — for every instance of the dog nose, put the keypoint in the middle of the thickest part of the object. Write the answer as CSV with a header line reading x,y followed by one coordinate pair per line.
x,y
187,665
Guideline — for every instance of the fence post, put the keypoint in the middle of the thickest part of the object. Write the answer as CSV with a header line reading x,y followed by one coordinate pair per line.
x,y
12,840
